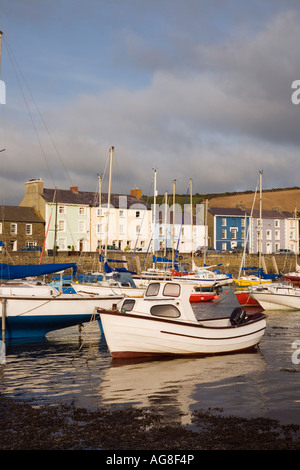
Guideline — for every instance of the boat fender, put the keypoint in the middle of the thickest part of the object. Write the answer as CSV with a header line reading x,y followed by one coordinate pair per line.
x,y
237,316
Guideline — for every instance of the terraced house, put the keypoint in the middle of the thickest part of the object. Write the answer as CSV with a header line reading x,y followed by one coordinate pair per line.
x,y
80,220
236,227
21,228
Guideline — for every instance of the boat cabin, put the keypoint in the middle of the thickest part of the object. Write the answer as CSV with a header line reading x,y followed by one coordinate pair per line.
x,y
167,299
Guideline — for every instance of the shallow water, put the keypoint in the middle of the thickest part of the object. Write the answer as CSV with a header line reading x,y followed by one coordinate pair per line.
x,y
73,369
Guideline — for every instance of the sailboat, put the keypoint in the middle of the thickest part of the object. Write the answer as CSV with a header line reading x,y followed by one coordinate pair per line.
x,y
254,278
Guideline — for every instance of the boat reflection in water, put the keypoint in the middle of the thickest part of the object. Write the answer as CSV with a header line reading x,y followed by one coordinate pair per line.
x,y
178,386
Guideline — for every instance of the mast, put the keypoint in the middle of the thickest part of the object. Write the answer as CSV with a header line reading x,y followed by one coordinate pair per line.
x,y
55,227
260,217
2,84
192,234
111,151
166,233
205,231
154,216
173,226
99,208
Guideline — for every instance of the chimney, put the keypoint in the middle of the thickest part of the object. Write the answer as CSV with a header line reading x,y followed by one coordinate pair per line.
x,y
136,192
34,189
74,189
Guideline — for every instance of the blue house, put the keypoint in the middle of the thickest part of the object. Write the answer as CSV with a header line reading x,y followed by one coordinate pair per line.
x,y
227,227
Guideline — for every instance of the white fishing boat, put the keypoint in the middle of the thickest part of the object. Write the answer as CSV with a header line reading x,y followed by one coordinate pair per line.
x,y
109,287
32,309
163,323
276,296
204,277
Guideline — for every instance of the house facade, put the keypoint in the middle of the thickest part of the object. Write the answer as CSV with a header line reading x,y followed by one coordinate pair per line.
x,y
81,220
272,229
21,228
227,228
188,232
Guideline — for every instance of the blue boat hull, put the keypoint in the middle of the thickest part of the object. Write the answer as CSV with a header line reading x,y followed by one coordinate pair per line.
x,y
38,326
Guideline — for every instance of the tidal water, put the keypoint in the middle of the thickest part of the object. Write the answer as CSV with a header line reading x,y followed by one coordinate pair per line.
x,y
72,368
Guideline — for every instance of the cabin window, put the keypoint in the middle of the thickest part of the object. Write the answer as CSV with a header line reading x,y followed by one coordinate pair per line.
x,y
169,311
152,289
128,305
171,290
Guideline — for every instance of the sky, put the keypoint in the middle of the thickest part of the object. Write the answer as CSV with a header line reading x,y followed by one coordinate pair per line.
x,y
193,89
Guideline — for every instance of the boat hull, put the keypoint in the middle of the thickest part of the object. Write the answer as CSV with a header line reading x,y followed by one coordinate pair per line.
x,y
35,317
141,336
245,300
202,297
271,301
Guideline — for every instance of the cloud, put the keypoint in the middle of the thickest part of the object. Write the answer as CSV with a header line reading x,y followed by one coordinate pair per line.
x,y
211,102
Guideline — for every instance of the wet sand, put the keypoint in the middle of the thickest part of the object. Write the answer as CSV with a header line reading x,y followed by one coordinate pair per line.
x,y
63,427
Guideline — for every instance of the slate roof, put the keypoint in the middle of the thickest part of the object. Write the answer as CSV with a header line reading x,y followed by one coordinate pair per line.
x,y
19,214
239,212
88,198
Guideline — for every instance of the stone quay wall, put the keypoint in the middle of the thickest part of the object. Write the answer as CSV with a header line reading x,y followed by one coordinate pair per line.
x,y
87,262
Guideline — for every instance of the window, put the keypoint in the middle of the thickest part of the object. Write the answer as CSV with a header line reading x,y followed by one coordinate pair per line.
x,y
121,213
13,245
171,290
31,244
224,222
121,229
13,229
277,235
0,227
128,305
61,243
224,234
269,235
277,223
81,226
61,226
152,289
28,229
61,209
137,214
81,210
169,311
243,233
233,233
137,229
243,223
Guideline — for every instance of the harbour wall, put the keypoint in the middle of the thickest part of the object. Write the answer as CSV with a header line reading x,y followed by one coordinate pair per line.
x,y
87,262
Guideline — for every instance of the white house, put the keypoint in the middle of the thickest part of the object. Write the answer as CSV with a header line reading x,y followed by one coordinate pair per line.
x,y
187,232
